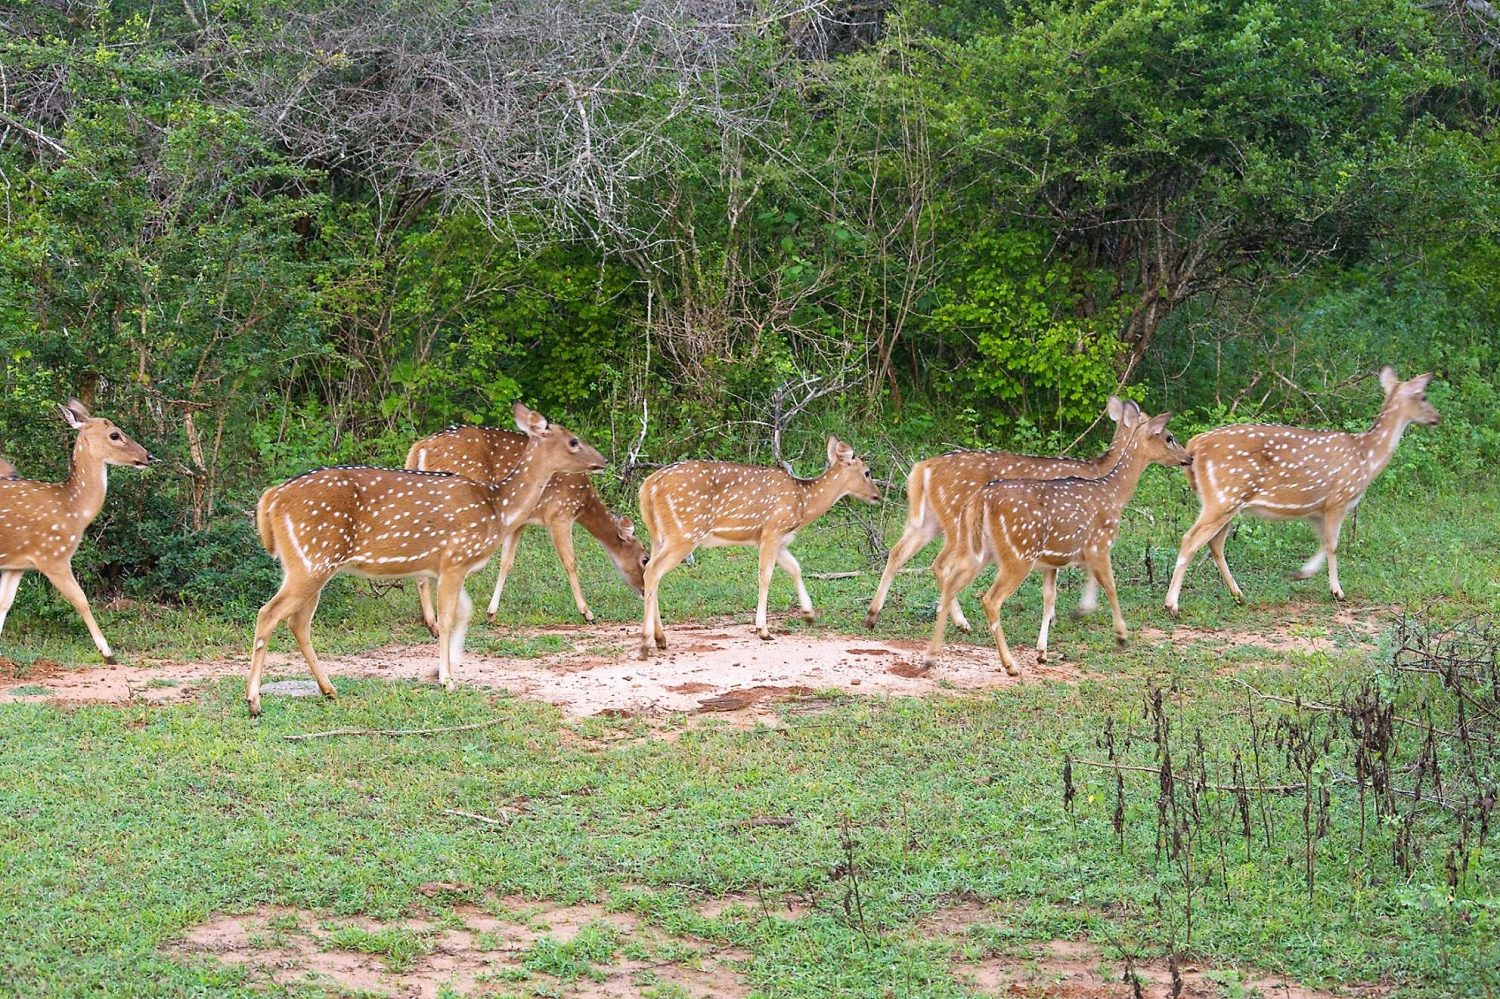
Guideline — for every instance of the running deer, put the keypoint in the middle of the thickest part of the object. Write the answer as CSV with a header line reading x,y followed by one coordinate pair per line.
x,y
721,503
386,523
1017,523
41,523
487,454
937,489
1287,473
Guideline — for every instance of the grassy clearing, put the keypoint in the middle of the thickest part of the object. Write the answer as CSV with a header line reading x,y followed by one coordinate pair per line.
x,y
121,827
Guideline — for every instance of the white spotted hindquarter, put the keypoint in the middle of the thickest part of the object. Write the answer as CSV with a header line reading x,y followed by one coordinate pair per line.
x,y
1056,521
716,503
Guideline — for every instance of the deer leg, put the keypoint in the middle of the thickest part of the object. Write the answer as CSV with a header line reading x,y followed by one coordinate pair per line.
x,y
1088,602
913,539
1104,571
1049,610
562,540
277,609
507,559
768,549
451,621
424,598
1311,566
463,613
300,623
788,562
661,562
1008,579
1332,525
954,574
1196,537
10,582
61,576
1216,546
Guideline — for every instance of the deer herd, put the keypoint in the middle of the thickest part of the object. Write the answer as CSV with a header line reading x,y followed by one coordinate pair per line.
x,y
467,492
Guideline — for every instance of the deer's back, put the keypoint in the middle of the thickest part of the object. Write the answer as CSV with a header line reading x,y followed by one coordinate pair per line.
x,y
699,498
380,521
1278,471
949,480
488,454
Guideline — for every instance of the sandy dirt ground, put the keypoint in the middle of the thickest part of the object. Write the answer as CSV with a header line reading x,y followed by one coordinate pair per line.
x,y
717,666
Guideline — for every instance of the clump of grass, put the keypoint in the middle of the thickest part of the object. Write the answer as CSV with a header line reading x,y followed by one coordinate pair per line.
x,y
595,944
398,948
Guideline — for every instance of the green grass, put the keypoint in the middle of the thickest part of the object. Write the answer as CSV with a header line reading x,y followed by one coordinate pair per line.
x,y
120,827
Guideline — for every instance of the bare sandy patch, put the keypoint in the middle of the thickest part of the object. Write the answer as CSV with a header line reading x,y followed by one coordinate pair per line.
x,y
1079,969
719,668
482,950
1309,629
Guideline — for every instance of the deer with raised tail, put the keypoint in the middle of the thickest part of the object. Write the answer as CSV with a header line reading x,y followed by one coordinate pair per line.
x,y
1287,473
938,488
389,523
720,503
42,523
1020,523
487,454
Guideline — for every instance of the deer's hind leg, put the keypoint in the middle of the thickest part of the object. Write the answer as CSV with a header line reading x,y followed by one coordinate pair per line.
x,y
10,582
1216,546
1049,609
793,568
955,570
507,559
662,561
914,537
1104,571
1207,526
293,594
769,550
300,624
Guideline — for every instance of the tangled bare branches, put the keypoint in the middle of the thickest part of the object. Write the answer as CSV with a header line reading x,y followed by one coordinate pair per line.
x,y
532,113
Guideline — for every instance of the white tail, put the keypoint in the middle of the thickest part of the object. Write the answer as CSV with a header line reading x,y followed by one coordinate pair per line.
x,y
938,488
385,523
1018,523
487,454
1286,473
716,503
41,523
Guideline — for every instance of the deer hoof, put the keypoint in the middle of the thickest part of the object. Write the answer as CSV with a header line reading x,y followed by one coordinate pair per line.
x,y
1041,655
1338,594
644,653
111,661
870,620
1120,641
763,634
488,616
450,687
928,661
588,616
1173,610
254,707
809,616
1011,670
331,694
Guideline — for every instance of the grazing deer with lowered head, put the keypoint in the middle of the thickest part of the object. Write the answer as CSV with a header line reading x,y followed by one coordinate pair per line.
x,y
388,523
1018,523
937,489
1287,473
720,503
41,523
487,454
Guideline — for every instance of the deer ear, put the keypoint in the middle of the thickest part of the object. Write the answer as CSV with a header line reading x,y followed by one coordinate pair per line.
x,y
1157,424
75,414
529,421
626,527
1115,408
1420,382
1388,379
834,447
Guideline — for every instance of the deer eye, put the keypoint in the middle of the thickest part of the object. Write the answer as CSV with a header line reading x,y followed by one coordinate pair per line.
x,y
867,473
115,436
645,559
573,443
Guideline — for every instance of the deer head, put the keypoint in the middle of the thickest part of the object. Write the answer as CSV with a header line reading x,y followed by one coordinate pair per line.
x,y
632,557
850,474
101,440
1157,444
1408,399
555,448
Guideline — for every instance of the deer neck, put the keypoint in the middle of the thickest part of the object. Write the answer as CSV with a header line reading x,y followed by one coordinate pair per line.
x,y
1380,440
515,496
1125,475
87,482
818,496
595,518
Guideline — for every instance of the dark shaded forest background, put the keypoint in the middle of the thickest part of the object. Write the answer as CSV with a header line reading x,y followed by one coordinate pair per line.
x,y
265,236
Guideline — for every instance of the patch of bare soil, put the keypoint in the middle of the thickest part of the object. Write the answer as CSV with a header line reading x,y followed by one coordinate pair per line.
x,y
709,668
483,951
1078,969
37,670
1310,629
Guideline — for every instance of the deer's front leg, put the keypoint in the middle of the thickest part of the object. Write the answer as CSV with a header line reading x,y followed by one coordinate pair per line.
x,y
61,576
1332,525
452,620
507,559
1049,610
768,549
10,582
788,562
562,540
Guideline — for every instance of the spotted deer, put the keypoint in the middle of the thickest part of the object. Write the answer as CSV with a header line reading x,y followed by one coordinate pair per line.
x,y
389,523
42,523
1287,473
487,454
1018,523
937,489
721,503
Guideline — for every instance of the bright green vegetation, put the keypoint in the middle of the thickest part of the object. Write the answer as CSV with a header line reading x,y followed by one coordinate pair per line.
x,y
122,827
